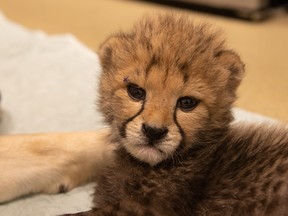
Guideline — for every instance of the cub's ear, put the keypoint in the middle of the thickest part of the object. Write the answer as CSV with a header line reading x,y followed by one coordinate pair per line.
x,y
105,52
232,63
113,50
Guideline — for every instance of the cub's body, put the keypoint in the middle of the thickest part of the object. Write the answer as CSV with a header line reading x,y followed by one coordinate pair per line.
x,y
166,90
244,174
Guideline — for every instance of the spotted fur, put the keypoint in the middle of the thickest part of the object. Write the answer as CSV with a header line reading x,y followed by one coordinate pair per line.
x,y
203,164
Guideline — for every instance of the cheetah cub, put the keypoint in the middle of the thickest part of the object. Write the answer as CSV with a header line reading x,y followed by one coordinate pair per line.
x,y
166,90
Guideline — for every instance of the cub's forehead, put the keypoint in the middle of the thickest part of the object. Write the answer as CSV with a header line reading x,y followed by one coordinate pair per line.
x,y
165,49
176,39
171,43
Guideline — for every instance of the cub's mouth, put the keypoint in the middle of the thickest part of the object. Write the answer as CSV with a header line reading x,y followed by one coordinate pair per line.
x,y
148,144
147,152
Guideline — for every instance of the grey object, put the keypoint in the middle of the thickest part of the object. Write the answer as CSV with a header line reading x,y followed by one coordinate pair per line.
x,y
254,10
47,83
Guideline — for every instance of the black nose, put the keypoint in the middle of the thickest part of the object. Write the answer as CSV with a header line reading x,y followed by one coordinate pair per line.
x,y
154,133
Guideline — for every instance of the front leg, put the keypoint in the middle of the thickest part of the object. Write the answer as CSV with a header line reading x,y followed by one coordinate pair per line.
x,y
50,163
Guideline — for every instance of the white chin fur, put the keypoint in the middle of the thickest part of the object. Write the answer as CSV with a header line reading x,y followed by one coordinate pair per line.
x,y
146,153
136,144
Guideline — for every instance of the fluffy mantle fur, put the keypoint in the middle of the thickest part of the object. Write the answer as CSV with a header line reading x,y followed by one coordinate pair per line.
x,y
201,164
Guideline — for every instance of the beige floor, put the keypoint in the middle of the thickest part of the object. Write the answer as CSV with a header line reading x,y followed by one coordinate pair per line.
x,y
263,46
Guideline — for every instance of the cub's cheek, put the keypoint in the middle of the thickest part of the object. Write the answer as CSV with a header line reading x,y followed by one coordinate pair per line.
x,y
191,122
124,107
134,130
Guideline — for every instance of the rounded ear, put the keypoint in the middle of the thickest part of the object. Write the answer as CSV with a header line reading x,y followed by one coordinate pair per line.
x,y
113,50
233,64
105,52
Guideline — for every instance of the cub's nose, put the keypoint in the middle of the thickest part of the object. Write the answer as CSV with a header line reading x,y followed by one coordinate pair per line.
x,y
154,133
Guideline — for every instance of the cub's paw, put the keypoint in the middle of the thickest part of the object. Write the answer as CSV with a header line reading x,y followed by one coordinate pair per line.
x,y
60,187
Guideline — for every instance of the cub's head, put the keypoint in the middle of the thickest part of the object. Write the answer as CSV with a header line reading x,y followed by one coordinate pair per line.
x,y
165,85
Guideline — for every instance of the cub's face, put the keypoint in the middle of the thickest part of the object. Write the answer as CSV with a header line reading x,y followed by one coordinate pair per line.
x,y
164,84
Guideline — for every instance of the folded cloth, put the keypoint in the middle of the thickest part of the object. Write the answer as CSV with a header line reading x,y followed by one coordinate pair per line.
x,y
49,83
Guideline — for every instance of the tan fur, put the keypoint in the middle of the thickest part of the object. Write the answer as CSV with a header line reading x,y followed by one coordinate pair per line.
x,y
50,163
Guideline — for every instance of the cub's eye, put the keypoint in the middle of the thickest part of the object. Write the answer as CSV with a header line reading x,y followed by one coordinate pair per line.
x,y
135,92
187,104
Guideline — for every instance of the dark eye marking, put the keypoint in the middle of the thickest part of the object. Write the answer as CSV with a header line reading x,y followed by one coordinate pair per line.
x,y
135,92
187,103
